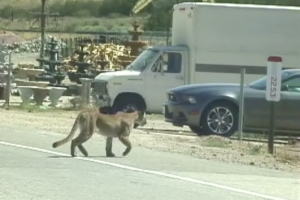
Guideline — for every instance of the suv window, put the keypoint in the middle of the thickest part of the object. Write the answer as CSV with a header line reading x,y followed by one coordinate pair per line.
x,y
260,84
293,84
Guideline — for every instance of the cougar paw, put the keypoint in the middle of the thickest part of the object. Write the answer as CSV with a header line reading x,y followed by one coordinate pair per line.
x,y
126,152
86,154
110,155
83,151
74,154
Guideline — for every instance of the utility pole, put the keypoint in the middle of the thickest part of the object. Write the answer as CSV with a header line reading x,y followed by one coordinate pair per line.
x,y
42,16
43,27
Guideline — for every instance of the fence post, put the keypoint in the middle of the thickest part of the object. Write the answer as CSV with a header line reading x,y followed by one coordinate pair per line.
x,y
71,47
2,62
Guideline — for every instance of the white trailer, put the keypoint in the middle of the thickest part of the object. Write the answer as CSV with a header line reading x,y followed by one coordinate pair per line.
x,y
210,43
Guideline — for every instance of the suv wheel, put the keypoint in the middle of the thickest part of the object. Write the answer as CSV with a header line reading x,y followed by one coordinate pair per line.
x,y
220,119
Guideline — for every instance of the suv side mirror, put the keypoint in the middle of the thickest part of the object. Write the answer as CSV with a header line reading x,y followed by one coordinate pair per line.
x,y
284,87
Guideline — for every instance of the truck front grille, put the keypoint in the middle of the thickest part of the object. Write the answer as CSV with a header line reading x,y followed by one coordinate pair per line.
x,y
100,87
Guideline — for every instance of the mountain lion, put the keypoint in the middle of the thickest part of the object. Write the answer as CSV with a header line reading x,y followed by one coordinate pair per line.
x,y
116,125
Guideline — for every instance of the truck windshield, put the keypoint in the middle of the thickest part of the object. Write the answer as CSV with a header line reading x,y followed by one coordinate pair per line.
x,y
142,61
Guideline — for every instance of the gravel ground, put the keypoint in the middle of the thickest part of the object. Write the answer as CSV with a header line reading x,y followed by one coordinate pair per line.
x,y
215,148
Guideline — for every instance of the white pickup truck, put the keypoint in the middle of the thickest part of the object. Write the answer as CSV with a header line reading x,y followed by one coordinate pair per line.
x,y
210,43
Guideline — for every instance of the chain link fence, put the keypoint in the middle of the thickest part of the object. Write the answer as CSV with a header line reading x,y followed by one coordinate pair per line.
x,y
73,39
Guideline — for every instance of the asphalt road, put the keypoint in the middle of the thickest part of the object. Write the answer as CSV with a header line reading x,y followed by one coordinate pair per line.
x,y
30,169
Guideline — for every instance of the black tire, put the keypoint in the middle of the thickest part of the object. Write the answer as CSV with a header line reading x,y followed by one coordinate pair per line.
x,y
198,130
232,119
127,105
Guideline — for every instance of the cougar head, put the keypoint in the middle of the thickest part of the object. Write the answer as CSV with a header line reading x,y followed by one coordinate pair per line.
x,y
141,119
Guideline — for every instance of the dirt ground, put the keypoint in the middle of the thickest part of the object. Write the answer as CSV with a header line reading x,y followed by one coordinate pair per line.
x,y
9,38
286,158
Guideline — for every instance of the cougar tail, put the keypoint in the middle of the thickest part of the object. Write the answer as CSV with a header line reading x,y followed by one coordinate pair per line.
x,y
71,134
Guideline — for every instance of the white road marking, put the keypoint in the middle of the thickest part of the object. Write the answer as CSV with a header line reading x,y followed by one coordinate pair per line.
x,y
147,171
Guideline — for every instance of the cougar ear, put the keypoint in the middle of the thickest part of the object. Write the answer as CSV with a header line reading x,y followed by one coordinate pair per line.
x,y
143,112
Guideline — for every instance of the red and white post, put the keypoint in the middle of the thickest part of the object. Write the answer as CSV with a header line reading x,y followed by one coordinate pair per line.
x,y
273,89
273,86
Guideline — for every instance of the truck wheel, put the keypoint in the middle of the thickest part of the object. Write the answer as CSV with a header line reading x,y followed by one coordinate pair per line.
x,y
221,119
127,105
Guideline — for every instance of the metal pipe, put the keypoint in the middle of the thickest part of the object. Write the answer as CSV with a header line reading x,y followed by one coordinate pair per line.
x,y
85,91
8,82
241,105
43,27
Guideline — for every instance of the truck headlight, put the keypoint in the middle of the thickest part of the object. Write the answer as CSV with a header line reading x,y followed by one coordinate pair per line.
x,y
190,99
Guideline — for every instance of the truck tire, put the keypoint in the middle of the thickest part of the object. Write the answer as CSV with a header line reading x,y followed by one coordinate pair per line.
x,y
127,105
220,118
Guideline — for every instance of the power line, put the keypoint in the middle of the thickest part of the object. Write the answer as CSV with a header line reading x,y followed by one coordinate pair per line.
x,y
42,16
